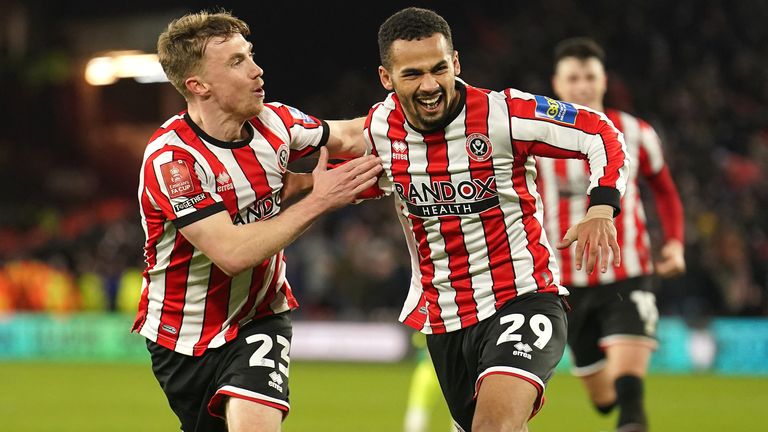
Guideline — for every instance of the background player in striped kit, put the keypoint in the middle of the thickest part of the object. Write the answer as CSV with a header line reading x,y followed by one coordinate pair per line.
x,y
215,303
612,325
485,285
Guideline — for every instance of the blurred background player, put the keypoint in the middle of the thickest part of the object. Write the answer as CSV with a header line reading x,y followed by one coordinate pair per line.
x,y
612,326
424,392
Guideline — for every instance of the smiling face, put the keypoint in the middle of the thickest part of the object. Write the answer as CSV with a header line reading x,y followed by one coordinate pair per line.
x,y
422,72
580,81
229,77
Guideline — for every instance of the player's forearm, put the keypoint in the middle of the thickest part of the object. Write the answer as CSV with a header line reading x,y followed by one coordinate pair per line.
x,y
236,248
260,240
668,205
346,139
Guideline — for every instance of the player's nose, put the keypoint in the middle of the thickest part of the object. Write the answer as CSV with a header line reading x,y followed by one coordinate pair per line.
x,y
429,84
256,71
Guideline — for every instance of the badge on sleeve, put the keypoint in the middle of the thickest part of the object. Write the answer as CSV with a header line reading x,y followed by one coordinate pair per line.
x,y
552,109
300,116
177,178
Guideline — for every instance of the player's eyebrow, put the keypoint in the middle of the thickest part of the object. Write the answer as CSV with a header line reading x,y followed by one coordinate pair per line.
x,y
239,55
409,71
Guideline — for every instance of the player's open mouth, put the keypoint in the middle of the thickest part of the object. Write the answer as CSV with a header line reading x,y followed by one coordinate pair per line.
x,y
430,103
259,92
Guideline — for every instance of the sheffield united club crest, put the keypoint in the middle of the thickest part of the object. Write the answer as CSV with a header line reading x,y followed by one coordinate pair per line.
x,y
282,157
479,147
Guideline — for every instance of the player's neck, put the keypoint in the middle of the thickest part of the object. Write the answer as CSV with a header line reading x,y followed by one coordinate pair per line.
x,y
217,124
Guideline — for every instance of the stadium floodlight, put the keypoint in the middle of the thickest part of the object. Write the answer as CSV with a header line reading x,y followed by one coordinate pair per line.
x,y
108,68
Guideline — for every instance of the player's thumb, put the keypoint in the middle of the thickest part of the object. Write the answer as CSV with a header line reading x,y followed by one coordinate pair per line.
x,y
322,162
568,239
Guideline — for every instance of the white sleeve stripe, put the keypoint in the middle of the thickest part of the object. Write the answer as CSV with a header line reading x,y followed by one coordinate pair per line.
x,y
566,138
651,143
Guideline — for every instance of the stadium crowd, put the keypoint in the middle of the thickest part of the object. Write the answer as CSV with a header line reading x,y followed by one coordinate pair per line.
x,y
70,238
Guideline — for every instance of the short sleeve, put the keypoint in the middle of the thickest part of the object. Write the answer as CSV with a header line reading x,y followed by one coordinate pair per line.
x,y
306,133
176,184
651,152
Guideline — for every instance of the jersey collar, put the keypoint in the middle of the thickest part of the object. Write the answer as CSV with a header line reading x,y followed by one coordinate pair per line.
x,y
223,144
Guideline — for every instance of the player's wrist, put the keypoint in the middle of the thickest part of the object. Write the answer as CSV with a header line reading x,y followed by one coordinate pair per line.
x,y
314,204
599,211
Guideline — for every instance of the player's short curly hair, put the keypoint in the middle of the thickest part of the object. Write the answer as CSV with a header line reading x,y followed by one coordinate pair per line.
x,y
410,24
580,47
180,48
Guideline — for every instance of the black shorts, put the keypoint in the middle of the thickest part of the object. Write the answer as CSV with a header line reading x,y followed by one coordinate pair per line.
x,y
253,366
525,338
604,314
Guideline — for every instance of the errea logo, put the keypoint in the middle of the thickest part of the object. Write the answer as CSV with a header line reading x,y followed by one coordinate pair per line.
x,y
399,150
523,347
522,350
224,182
275,381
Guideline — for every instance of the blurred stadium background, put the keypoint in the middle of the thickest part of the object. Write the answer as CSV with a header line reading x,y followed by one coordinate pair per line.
x,y
80,101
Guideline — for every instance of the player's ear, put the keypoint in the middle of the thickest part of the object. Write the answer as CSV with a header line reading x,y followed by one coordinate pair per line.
x,y
456,64
196,86
386,79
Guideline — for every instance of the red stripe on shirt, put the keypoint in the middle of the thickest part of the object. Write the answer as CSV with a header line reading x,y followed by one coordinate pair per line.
x,y
525,148
564,221
450,230
263,308
494,227
396,132
219,289
154,232
176,275
248,160
533,230
270,136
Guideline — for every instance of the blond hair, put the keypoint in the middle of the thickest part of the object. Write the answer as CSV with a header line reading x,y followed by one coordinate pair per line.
x,y
180,48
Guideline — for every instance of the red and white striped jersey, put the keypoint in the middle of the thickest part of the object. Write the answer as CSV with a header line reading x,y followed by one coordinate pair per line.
x,y
466,197
561,182
188,304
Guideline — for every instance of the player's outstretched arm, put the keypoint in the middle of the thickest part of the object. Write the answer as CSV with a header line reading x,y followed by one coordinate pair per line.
x,y
345,138
294,184
595,234
235,248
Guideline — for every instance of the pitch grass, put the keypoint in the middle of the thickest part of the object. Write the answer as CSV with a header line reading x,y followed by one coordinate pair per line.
x,y
62,397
